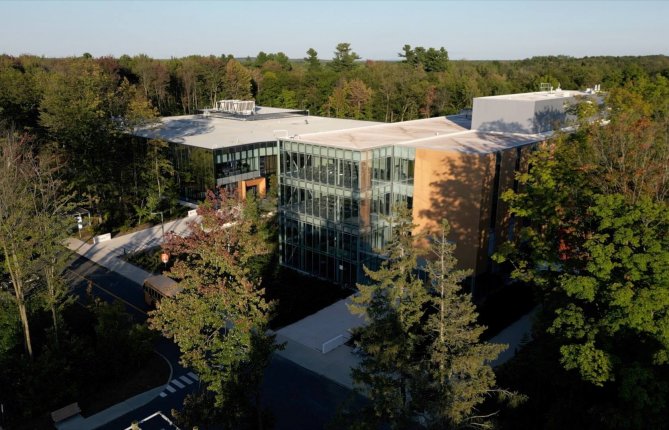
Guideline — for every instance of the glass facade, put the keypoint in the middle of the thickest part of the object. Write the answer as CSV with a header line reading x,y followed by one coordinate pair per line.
x,y
332,205
200,169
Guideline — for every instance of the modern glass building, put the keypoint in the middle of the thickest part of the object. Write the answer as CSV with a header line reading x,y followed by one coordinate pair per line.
x,y
234,146
242,168
338,188
338,179
333,202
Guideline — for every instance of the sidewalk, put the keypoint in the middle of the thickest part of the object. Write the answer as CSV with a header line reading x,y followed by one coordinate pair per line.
x,y
110,414
513,335
106,253
326,330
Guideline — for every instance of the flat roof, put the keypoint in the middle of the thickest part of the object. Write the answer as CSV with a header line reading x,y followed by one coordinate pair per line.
x,y
386,134
450,133
212,132
539,95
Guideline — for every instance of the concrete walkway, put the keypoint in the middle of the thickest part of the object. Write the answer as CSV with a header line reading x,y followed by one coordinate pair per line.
x,y
513,336
110,414
317,342
326,329
106,253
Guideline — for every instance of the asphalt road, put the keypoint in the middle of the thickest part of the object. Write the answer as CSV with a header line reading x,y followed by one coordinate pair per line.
x,y
296,397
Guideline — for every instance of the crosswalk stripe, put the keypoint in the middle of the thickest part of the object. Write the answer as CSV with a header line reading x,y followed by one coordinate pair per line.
x,y
177,383
162,394
185,379
170,389
193,376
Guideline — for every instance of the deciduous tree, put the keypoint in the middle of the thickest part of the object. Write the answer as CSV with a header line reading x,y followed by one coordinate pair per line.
x,y
595,243
220,318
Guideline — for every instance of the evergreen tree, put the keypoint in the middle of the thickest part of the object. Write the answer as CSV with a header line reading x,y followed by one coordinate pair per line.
x,y
458,376
422,360
394,306
313,63
344,59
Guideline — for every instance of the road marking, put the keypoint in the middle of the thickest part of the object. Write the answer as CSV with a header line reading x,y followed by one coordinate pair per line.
x,y
186,380
162,394
108,292
177,383
170,389
193,376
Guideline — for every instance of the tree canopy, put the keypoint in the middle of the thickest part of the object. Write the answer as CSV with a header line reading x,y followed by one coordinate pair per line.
x,y
595,241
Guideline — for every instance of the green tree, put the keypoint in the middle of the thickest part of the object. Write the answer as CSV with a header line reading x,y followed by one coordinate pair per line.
x,y
344,59
313,63
431,59
220,318
52,203
18,235
594,241
458,377
393,305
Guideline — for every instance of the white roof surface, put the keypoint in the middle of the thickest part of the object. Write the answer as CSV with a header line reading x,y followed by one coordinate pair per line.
x,y
539,95
212,132
452,133
440,133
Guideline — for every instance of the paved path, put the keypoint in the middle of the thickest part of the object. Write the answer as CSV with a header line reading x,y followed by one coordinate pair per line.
x,y
106,253
513,336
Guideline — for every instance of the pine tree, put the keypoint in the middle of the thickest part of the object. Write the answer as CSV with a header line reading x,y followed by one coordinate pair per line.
x,y
458,376
422,360
393,304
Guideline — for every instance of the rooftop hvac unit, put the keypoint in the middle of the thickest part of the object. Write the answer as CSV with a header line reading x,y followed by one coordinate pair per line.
x,y
238,107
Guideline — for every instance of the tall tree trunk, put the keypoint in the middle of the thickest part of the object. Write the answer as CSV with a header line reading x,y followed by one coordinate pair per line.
x,y
51,286
19,293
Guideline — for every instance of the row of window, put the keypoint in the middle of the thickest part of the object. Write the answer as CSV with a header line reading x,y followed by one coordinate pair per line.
x,y
333,242
324,170
320,204
319,264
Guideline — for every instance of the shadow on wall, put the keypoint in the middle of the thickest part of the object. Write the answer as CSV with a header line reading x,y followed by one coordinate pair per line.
x,y
543,121
548,119
503,127
460,191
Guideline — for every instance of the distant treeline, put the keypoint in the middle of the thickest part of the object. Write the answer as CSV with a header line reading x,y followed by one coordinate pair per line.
x,y
422,83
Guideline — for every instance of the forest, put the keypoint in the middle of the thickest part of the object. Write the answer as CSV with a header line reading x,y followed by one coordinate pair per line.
x,y
593,228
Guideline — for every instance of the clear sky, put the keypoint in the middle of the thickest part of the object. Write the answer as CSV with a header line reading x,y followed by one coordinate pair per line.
x,y
375,29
